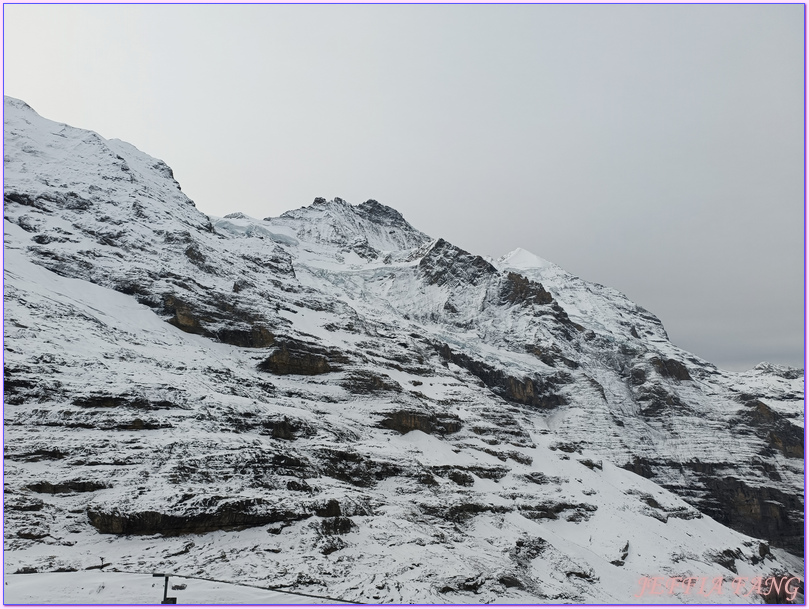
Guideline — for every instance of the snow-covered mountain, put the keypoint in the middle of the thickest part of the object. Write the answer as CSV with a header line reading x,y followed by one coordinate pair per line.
x,y
333,402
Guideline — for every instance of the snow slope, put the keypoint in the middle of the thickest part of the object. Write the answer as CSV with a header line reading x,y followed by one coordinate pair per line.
x,y
111,588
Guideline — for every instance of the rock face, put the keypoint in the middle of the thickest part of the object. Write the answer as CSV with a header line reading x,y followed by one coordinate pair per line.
x,y
334,402
295,359
226,516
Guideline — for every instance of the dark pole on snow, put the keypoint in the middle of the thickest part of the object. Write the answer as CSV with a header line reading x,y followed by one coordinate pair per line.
x,y
166,599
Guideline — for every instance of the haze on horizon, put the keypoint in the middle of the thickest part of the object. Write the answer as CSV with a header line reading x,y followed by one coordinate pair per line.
x,y
656,149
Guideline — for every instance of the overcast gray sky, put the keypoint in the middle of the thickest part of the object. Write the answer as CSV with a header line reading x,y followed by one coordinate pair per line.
x,y
657,149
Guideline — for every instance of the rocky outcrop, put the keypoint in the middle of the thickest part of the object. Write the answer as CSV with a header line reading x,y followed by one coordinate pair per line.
x,y
670,368
405,421
447,265
538,392
297,358
779,432
761,512
106,400
227,515
552,510
517,289
236,327
68,486
254,337
363,382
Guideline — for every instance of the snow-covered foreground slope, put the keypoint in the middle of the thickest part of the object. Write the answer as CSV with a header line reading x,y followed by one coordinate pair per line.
x,y
110,588
332,402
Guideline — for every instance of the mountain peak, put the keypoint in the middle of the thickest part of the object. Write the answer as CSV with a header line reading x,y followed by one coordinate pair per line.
x,y
523,259
339,223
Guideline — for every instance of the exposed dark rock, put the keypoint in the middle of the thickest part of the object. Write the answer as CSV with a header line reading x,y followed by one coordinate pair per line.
x,y
131,287
637,376
33,533
585,575
762,512
510,581
239,327
446,264
449,307
21,385
461,512
502,427
531,392
656,401
194,254
527,549
20,199
782,589
551,356
763,549
299,486
550,510
42,454
540,478
405,421
354,468
296,358
283,430
461,583
381,214
184,317
491,472
780,433
255,337
13,503
241,284
590,464
362,382
337,525
69,486
427,479
728,558
461,478
517,289
138,424
331,544
49,201
228,515
567,447
619,562
103,400
330,509
670,368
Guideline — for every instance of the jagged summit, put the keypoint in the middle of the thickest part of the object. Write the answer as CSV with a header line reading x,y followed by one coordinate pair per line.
x,y
370,228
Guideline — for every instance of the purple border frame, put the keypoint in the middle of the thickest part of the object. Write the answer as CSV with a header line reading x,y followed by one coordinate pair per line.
x,y
463,3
